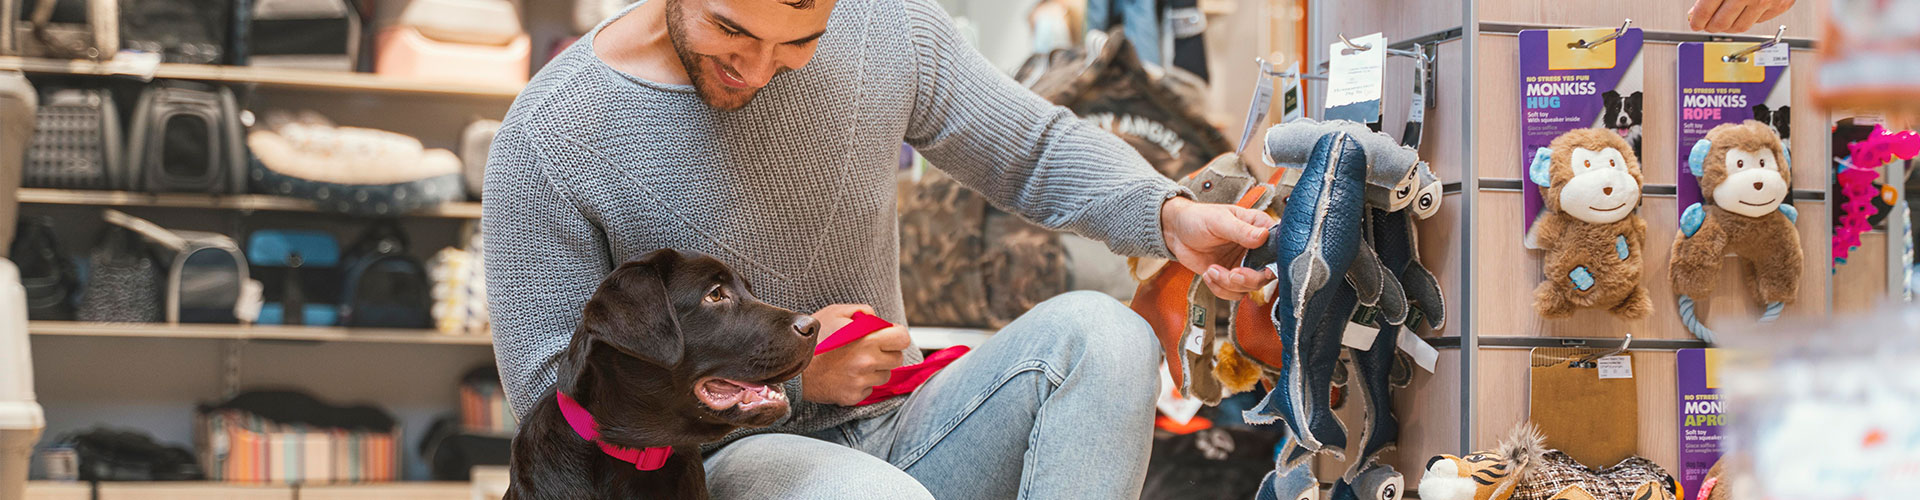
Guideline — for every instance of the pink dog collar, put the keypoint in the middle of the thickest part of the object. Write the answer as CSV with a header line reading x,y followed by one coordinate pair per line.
x,y
583,424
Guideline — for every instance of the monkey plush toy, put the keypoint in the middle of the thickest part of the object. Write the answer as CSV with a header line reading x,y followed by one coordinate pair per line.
x,y
1744,179
1590,181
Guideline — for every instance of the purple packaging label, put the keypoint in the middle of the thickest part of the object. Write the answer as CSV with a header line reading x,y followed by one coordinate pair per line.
x,y
1697,382
1563,88
1715,92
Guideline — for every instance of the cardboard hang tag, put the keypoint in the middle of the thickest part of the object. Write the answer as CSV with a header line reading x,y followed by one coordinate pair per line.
x,y
1594,419
1355,79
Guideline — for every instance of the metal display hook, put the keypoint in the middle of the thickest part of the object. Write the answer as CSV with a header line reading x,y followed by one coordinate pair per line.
x,y
1741,56
1624,344
1603,40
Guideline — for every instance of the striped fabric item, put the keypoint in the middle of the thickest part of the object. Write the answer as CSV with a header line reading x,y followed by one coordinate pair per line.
x,y
236,446
484,409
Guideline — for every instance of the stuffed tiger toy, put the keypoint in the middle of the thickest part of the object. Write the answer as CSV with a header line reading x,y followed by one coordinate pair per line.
x,y
1523,469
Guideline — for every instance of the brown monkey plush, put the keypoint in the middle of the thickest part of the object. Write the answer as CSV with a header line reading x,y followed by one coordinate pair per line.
x,y
1591,231
1745,180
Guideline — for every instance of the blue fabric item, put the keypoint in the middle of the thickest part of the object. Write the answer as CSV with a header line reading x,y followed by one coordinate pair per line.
x,y
360,199
274,247
1691,219
1318,237
1582,279
1793,214
1139,20
1698,157
314,314
1541,170
1620,246
1289,483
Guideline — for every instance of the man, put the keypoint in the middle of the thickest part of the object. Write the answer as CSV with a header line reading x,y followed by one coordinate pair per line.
x,y
765,133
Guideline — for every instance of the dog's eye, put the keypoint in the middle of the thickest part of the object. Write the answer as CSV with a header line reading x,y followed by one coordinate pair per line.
x,y
717,294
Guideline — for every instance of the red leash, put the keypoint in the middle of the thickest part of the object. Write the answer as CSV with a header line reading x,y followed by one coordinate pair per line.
x,y
904,379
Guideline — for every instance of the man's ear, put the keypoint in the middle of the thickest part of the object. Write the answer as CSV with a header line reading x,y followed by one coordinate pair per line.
x,y
1697,159
1541,170
633,313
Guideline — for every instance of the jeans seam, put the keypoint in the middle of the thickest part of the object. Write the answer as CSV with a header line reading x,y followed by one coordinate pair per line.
x,y
1053,381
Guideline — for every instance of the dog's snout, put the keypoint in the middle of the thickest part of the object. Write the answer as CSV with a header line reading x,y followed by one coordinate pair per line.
x,y
806,326
1607,190
1759,186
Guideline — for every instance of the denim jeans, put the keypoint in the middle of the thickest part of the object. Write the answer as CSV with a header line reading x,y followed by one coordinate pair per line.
x,y
1139,20
1057,405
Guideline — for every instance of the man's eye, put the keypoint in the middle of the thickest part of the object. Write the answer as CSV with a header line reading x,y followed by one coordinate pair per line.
x,y
717,294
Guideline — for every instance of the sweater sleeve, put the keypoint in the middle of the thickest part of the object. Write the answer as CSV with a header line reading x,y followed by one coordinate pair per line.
x,y
1025,155
543,260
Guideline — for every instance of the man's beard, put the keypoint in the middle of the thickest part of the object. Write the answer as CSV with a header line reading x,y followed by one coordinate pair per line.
x,y
713,93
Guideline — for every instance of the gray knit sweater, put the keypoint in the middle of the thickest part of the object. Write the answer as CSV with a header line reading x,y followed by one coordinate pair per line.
x,y
594,166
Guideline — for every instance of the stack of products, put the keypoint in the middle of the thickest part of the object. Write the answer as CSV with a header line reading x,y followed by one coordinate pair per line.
x,y
292,438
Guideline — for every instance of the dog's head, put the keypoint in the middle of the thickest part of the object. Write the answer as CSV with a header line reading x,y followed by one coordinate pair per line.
x,y
1622,111
677,344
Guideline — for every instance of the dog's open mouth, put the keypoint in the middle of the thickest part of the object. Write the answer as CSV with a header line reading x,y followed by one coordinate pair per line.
x,y
720,394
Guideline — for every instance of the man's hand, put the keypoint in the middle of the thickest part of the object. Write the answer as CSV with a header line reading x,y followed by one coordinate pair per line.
x,y
1210,239
1733,16
847,375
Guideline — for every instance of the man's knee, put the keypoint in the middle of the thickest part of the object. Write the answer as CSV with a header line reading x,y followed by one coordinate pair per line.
x,y
1104,332
790,466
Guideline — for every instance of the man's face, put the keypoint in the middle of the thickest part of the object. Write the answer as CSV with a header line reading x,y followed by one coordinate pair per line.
x,y
732,48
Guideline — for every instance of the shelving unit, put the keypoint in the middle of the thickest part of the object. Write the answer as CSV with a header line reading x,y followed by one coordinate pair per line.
x,y
278,77
245,202
926,338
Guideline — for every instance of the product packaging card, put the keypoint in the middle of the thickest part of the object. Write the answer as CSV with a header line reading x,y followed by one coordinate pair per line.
x,y
1568,83
1587,408
1698,386
1714,91
1355,79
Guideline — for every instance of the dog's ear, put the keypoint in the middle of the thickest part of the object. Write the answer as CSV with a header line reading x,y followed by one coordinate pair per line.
x,y
633,313
1760,114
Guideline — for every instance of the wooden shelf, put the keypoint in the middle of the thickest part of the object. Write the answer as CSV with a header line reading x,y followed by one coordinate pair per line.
x,y
925,337
458,210
277,77
253,332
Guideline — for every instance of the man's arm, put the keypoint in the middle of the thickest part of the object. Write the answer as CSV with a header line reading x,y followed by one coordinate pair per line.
x,y
1024,154
543,258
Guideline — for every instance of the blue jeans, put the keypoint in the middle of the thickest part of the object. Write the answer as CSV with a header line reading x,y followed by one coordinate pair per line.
x,y
1057,405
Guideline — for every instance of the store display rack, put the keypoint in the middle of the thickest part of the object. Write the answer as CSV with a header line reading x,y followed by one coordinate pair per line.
x,y
929,338
276,77
243,202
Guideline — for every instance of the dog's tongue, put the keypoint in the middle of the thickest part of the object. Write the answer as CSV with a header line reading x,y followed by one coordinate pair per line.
x,y
1623,131
720,394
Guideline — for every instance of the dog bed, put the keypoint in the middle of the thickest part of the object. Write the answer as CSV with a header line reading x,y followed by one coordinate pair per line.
x,y
350,170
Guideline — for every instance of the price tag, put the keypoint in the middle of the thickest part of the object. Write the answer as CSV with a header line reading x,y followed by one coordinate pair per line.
x,y
1423,354
1354,76
1771,56
1616,366
1359,336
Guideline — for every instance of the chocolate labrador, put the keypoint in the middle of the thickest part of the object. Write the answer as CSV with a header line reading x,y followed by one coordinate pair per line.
x,y
672,352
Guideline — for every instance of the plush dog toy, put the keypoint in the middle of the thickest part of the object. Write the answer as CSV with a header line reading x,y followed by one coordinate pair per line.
x,y
1745,180
1590,181
1523,469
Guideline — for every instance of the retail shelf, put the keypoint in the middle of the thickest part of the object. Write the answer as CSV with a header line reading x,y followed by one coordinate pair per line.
x,y
252,332
931,337
459,210
169,490
277,77
924,337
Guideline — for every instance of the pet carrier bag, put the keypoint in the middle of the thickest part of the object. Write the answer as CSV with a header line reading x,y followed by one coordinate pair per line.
x,y
305,34
299,276
285,437
21,419
124,277
383,286
452,454
60,29
47,274
185,138
464,40
480,22
475,141
17,108
76,141
180,31
350,170
206,275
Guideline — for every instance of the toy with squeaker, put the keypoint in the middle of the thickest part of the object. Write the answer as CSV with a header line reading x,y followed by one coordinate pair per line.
x,y
1745,178
1593,236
